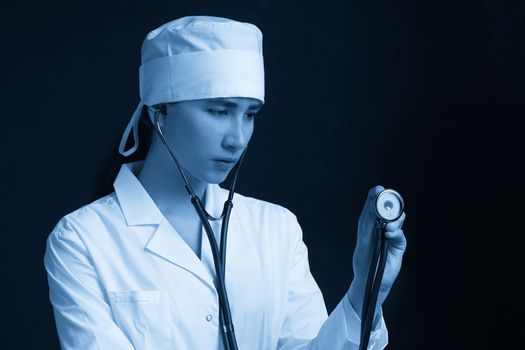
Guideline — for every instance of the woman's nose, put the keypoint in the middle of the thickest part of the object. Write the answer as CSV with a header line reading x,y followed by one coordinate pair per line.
x,y
238,134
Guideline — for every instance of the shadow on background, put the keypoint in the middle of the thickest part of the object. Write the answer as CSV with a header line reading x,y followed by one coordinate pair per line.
x,y
424,97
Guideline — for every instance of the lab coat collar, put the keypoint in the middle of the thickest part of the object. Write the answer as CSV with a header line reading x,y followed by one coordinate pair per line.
x,y
169,245
136,204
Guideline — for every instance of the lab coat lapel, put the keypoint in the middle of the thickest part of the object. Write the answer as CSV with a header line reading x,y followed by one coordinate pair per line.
x,y
139,209
169,245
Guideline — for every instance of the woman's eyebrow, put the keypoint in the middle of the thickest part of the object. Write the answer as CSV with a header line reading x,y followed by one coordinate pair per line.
x,y
228,103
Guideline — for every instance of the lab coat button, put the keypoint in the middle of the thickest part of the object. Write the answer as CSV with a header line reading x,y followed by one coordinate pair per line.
x,y
209,317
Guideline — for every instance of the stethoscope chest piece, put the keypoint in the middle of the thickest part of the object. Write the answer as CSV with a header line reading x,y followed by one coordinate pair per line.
x,y
389,205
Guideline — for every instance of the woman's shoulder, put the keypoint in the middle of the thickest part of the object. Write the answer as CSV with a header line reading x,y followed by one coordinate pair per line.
x,y
268,224
255,208
258,203
89,215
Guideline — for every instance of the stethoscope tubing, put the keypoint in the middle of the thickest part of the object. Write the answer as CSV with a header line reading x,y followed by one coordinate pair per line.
x,y
373,283
227,324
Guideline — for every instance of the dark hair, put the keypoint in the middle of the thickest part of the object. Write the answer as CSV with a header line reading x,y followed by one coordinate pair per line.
x,y
111,163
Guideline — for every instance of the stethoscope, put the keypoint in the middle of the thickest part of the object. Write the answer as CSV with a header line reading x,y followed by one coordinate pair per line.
x,y
388,207
219,254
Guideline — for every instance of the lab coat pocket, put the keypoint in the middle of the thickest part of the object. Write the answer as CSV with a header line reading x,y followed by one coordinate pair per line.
x,y
143,315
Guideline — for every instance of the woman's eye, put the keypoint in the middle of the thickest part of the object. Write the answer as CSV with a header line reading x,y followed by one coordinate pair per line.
x,y
219,112
251,115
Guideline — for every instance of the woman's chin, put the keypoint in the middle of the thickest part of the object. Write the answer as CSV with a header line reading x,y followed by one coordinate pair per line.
x,y
216,177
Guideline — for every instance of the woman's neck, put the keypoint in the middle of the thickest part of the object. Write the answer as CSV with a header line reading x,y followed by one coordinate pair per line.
x,y
162,180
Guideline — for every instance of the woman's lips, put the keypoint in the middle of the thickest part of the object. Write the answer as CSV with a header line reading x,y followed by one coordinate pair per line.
x,y
225,162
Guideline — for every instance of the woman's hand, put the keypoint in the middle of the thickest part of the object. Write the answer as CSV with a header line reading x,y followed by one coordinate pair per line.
x,y
364,249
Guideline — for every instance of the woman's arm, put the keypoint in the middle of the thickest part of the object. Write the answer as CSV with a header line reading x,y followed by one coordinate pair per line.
x,y
82,313
306,325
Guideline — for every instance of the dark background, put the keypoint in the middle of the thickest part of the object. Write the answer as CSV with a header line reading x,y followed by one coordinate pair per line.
x,y
422,96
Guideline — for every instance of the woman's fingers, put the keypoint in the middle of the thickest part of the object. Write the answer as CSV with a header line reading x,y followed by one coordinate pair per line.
x,y
396,239
368,216
394,225
394,233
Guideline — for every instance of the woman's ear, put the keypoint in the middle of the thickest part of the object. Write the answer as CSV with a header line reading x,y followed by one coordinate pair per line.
x,y
157,112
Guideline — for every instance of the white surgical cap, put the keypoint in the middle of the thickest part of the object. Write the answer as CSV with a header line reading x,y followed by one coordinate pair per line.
x,y
198,57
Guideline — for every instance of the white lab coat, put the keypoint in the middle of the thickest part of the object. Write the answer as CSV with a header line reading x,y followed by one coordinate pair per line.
x,y
120,277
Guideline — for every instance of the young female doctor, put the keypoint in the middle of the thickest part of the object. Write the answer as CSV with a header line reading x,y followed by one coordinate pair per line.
x,y
135,269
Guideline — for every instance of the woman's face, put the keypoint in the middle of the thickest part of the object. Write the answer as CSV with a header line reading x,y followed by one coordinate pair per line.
x,y
208,136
